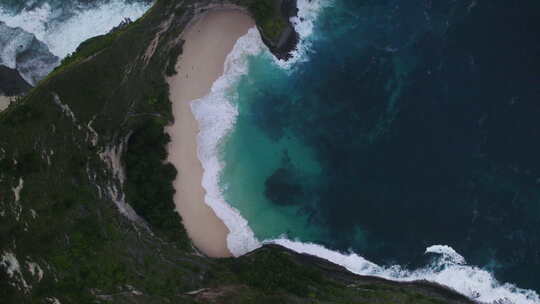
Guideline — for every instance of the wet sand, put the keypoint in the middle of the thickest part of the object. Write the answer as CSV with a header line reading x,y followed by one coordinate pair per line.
x,y
208,41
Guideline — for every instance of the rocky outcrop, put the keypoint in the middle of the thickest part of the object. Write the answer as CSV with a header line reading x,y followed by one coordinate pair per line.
x,y
22,51
11,82
286,42
339,273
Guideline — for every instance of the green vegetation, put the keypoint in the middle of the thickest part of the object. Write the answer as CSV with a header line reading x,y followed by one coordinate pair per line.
x,y
28,163
293,278
173,59
268,18
274,275
88,48
93,46
149,180
19,113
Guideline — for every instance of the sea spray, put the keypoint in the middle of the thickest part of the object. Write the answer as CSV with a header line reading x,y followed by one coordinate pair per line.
x,y
45,30
21,50
304,25
216,116
447,269
62,36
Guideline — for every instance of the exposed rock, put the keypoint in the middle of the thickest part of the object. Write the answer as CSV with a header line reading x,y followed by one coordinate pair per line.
x,y
22,51
11,82
287,41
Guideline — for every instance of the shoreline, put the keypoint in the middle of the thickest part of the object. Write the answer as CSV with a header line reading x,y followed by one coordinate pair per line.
x,y
209,38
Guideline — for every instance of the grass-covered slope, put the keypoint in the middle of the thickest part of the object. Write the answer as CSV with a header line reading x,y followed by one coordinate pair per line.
x,y
86,212
267,13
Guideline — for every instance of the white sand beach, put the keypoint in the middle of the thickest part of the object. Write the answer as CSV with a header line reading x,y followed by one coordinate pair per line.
x,y
208,41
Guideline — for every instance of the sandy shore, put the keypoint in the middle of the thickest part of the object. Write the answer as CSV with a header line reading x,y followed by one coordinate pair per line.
x,y
208,42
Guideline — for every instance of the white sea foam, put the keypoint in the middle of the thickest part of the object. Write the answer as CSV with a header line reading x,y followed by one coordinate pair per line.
x,y
216,116
304,24
63,36
22,51
12,42
448,269
446,253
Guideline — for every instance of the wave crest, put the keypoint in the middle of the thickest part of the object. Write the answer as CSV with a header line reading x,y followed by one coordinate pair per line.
x,y
448,269
216,116
304,25
62,32
21,50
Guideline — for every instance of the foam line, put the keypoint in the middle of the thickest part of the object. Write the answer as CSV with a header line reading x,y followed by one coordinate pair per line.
x,y
304,24
216,116
449,269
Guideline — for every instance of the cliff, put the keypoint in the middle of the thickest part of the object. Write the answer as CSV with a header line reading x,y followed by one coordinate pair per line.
x,y
73,231
11,82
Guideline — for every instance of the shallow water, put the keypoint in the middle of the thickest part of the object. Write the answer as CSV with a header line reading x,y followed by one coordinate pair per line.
x,y
413,123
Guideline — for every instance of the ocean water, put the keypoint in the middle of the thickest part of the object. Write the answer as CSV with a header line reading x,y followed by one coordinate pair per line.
x,y
42,32
401,141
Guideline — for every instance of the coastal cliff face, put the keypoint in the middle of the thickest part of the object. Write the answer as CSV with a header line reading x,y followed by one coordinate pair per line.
x,y
11,82
86,200
25,55
276,29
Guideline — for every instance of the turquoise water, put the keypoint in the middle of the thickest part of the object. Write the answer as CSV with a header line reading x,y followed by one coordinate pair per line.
x,y
248,145
412,124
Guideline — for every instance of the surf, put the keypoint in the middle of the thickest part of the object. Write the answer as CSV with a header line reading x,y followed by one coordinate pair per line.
x,y
58,28
217,114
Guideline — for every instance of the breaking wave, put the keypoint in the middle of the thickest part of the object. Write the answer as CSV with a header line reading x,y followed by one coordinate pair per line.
x,y
39,35
217,115
448,268
304,24
21,50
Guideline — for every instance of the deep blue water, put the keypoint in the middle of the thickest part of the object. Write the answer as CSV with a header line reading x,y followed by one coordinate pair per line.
x,y
413,123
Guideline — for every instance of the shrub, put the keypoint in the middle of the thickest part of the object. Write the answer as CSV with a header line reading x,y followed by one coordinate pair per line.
x,y
149,180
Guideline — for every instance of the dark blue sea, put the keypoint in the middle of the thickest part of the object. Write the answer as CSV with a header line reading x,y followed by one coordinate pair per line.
x,y
408,133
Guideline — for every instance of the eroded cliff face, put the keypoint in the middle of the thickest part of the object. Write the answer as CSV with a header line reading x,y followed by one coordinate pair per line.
x,y
283,43
11,82
68,232
23,52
